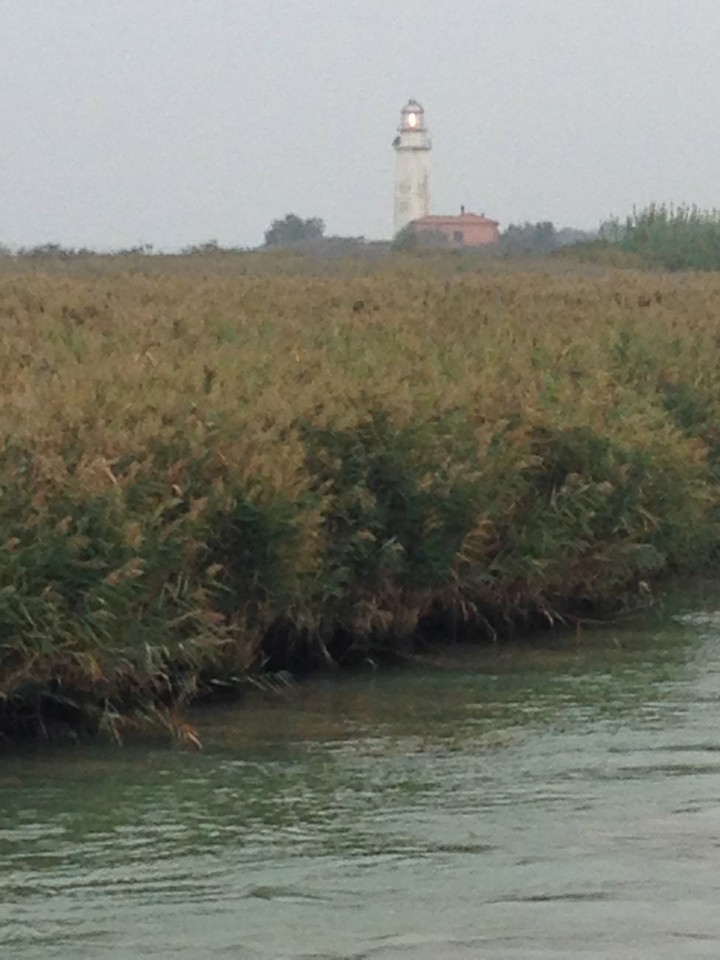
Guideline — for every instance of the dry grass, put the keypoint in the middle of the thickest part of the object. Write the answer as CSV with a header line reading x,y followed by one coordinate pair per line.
x,y
244,458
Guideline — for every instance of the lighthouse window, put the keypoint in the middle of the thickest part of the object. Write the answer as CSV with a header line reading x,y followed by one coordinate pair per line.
x,y
412,120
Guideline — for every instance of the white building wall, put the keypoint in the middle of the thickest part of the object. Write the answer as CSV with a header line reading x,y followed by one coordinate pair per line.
x,y
412,177
412,187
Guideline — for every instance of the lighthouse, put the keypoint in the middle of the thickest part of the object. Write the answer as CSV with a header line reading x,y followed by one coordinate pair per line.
x,y
412,150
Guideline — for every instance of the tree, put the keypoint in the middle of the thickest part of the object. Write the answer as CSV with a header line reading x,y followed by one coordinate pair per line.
x,y
293,229
405,239
522,238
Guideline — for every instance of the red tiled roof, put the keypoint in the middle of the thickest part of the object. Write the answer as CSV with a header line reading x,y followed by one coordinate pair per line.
x,y
460,219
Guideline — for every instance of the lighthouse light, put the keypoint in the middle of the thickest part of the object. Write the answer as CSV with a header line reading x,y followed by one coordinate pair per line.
x,y
412,120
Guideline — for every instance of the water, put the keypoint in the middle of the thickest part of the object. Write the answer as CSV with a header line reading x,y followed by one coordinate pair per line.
x,y
528,803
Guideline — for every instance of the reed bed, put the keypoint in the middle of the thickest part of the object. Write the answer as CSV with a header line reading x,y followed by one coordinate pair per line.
x,y
211,474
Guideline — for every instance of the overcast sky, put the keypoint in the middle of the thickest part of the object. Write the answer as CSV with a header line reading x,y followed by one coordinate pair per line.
x,y
176,121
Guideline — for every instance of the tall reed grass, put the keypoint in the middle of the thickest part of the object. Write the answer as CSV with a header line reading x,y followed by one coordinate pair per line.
x,y
659,237
675,238
204,476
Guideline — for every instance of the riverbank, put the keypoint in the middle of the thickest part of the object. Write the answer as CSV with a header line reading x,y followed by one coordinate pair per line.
x,y
206,476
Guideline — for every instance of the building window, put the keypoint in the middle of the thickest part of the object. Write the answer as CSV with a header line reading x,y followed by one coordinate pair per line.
x,y
458,237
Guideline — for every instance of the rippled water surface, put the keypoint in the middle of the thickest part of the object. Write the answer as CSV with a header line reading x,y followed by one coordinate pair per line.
x,y
528,803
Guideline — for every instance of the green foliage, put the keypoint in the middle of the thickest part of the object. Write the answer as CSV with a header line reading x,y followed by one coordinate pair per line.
x,y
529,238
293,229
396,507
540,239
406,239
671,238
249,545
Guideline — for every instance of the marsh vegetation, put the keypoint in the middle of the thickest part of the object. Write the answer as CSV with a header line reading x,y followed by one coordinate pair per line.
x,y
218,465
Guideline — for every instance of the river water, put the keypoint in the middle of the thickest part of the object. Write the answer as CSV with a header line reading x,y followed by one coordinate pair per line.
x,y
539,801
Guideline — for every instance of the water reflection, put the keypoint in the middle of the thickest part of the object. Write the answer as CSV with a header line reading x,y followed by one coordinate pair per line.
x,y
511,803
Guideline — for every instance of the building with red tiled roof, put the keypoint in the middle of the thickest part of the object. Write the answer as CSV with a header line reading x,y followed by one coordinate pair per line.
x,y
462,230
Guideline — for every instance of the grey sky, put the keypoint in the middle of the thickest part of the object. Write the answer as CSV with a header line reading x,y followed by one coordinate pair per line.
x,y
174,121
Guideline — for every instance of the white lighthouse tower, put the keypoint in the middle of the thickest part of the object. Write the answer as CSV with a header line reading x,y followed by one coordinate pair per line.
x,y
412,149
